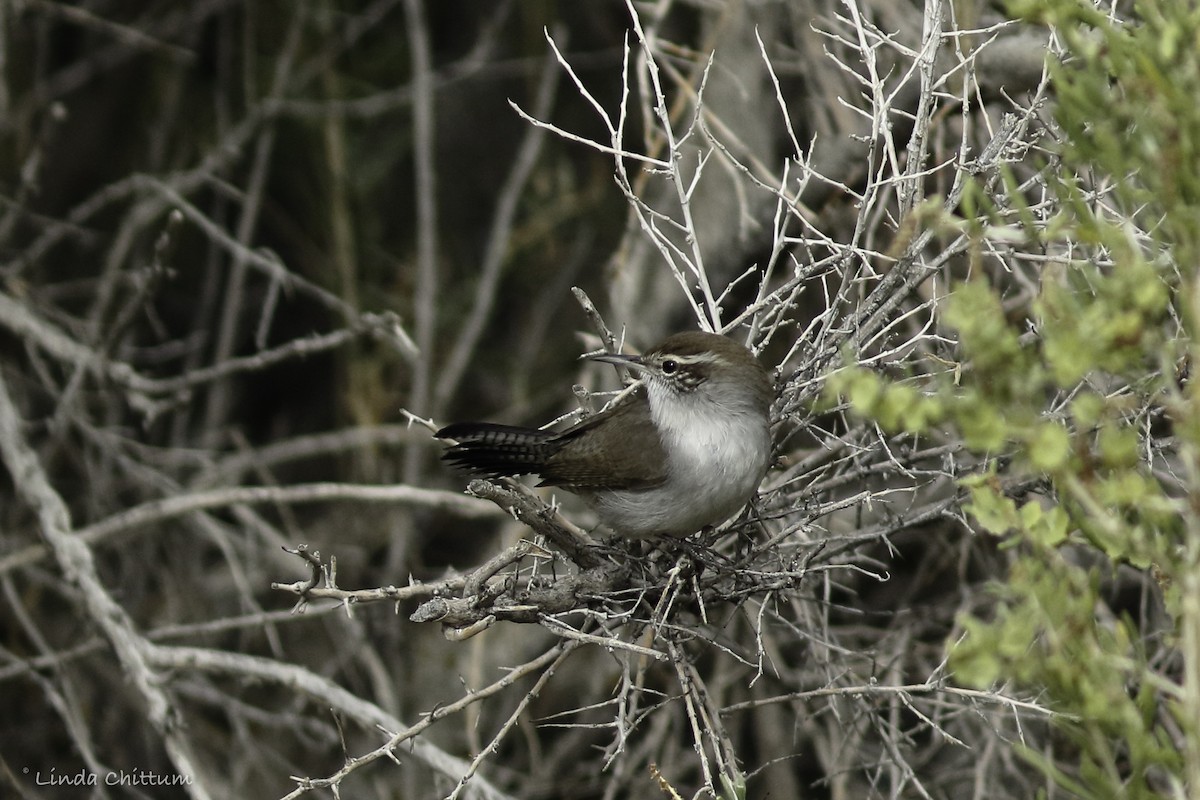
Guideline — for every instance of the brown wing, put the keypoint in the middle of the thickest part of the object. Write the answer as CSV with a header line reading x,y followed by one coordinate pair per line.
x,y
616,449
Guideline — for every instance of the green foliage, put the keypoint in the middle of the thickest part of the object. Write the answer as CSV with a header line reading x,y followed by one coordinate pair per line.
x,y
1047,636
895,406
986,336
1067,388
1128,106
1093,320
999,514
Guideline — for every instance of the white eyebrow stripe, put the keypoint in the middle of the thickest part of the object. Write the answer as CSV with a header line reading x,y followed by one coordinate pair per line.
x,y
699,358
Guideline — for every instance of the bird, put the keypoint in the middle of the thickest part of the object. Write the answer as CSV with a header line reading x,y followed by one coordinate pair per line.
x,y
685,448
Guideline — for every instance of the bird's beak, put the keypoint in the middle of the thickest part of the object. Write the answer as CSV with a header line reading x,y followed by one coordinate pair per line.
x,y
631,362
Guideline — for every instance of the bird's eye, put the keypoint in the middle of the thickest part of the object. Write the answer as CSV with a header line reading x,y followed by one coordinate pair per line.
x,y
669,366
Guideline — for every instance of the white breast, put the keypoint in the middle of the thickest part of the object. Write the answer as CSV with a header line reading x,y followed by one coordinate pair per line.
x,y
717,456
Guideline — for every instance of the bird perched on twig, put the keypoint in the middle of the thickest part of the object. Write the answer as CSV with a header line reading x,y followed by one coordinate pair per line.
x,y
686,448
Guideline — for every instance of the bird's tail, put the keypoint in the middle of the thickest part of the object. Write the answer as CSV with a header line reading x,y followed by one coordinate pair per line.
x,y
494,450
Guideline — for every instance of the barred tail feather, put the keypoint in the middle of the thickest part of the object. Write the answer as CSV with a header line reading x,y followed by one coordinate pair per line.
x,y
494,450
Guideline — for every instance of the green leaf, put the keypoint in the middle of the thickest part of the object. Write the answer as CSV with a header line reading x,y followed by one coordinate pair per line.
x,y
1045,526
1049,446
1150,295
1125,488
974,658
982,427
1070,354
994,512
1118,446
975,311
1086,408
863,392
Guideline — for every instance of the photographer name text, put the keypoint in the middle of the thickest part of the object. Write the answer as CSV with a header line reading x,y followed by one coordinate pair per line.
x,y
121,777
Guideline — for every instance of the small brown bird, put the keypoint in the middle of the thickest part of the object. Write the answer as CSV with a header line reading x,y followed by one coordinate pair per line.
x,y
685,449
